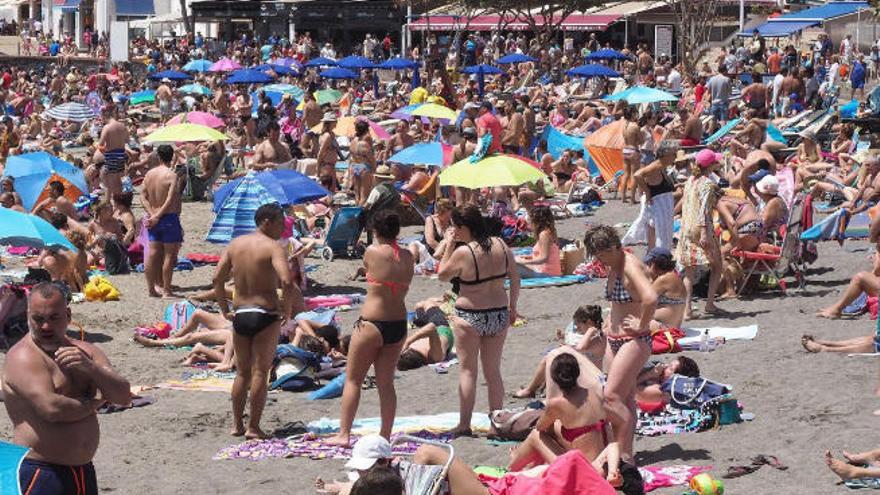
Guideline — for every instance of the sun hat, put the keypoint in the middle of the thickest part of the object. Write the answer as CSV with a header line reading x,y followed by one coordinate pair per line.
x,y
707,157
682,156
383,172
808,134
368,450
768,185
329,117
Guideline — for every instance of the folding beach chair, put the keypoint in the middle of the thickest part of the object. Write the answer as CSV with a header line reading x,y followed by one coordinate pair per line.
x,y
612,185
426,480
778,260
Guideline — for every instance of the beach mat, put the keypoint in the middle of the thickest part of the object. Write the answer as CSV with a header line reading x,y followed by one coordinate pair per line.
x,y
402,424
829,229
313,447
531,283
202,381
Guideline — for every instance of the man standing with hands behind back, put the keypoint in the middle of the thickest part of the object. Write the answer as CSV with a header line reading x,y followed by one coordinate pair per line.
x,y
53,385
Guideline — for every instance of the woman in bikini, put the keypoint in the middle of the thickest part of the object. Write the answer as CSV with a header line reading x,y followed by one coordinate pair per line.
x,y
633,302
362,162
574,418
669,288
545,260
381,329
484,309
433,342
436,226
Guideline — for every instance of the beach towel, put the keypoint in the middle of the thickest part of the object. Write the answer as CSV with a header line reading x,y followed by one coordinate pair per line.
x,y
663,476
531,283
569,473
202,381
693,335
671,421
839,226
178,313
857,307
200,259
402,424
136,401
312,446
340,302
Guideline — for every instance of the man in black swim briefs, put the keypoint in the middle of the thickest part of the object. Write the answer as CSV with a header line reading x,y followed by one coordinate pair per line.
x,y
259,266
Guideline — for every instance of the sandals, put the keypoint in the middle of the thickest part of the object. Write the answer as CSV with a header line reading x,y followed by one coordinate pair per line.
x,y
757,462
737,471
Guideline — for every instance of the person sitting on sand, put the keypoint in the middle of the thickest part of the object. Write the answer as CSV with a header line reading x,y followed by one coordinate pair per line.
x,y
436,226
855,466
865,344
669,287
867,282
587,338
545,260
433,342
574,418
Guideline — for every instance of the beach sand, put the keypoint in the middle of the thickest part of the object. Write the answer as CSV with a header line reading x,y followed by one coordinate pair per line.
x,y
803,403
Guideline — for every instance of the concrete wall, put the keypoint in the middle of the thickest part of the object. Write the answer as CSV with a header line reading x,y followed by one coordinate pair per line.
x,y
10,45
866,29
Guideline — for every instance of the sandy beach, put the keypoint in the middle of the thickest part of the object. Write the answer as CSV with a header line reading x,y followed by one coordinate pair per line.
x,y
803,403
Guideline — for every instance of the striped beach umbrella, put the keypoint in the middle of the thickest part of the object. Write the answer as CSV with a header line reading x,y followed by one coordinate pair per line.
x,y
70,112
234,214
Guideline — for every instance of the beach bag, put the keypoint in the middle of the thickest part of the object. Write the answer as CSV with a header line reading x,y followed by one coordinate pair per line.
x,y
572,255
723,410
178,313
666,341
294,369
100,289
116,258
513,424
692,392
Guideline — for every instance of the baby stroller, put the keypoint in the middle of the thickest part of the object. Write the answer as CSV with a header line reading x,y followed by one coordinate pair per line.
x,y
341,238
421,479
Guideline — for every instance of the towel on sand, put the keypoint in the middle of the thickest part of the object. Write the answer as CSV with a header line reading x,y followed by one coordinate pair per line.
x,y
312,447
202,381
402,424
693,335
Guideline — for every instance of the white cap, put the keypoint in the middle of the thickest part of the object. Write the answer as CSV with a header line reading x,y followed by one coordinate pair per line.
x,y
368,450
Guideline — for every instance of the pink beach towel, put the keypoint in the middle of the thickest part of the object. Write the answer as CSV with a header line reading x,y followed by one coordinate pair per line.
x,y
663,476
569,473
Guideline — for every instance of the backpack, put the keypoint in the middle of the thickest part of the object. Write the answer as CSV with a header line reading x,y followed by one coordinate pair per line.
x,y
513,424
294,369
178,313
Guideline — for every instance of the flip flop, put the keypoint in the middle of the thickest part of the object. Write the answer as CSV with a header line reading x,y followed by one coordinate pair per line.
x,y
737,471
770,460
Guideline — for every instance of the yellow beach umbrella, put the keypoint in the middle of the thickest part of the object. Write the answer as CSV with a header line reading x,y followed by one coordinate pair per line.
x,y
435,111
182,133
494,170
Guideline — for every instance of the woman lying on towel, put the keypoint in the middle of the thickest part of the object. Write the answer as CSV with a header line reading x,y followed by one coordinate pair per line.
x,y
203,329
587,338
433,342
649,396
574,419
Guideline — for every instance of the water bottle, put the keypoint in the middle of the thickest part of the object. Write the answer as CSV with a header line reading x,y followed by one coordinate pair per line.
x,y
704,342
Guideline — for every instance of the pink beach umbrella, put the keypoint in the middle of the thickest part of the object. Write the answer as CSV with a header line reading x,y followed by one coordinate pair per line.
x,y
201,118
224,65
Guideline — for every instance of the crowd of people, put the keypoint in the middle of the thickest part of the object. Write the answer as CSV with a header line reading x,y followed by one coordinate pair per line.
x,y
728,198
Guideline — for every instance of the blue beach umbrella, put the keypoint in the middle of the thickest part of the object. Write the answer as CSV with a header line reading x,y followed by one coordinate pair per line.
x,y
321,62
172,75
481,70
593,70
515,58
399,63
34,171
433,153
200,65
248,76
236,202
642,94
70,112
195,89
21,229
287,89
281,70
10,462
356,62
606,54
338,73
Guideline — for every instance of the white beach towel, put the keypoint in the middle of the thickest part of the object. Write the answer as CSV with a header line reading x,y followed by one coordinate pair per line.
x,y
693,335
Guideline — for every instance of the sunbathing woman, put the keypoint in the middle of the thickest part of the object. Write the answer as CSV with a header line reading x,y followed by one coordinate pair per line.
x,y
574,418
380,332
867,282
651,378
630,293
433,342
861,465
587,338
544,260
484,309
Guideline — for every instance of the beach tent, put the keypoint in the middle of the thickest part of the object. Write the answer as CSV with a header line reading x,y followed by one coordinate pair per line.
x,y
558,141
606,148
34,171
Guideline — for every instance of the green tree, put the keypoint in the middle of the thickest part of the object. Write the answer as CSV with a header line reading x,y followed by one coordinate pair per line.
x,y
544,18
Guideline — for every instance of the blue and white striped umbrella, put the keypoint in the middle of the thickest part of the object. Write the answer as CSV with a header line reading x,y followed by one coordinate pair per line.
x,y
70,112
235,216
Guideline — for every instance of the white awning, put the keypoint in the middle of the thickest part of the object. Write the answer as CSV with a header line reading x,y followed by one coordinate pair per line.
x,y
169,18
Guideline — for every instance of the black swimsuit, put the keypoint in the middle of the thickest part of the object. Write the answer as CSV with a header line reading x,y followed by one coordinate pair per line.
x,y
251,320
392,331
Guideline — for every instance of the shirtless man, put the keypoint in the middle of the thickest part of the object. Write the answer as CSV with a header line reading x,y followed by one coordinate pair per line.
x,y
52,386
751,137
271,152
513,135
756,95
401,139
161,199
362,162
221,104
7,200
146,161
258,265
164,98
56,201
632,140
311,117
692,127
791,85
114,137
243,108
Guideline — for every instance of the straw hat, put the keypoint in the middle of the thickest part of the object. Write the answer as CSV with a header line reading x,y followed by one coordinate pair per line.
x,y
329,117
383,172
682,156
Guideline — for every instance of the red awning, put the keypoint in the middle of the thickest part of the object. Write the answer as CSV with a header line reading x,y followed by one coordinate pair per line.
x,y
491,22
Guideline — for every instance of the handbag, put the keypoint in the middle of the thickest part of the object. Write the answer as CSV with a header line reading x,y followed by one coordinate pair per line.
x,y
692,392
511,424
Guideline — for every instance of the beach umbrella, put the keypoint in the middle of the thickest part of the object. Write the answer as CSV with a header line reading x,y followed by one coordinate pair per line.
x,y
185,133
140,97
606,54
433,153
642,94
201,118
224,65
195,89
434,111
34,171
236,202
356,62
492,171
248,76
321,62
405,113
338,73
324,97
171,75
289,62
481,70
606,148
200,65
281,70
11,456
399,63
22,229
285,89
593,70
70,112
345,127
515,58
